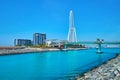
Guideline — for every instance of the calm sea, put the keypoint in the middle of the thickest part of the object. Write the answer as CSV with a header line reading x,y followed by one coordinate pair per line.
x,y
52,65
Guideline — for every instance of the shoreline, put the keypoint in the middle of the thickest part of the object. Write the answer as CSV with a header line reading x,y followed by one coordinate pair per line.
x,y
32,50
109,70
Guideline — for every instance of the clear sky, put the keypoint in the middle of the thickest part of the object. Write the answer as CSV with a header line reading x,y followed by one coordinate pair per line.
x,y
93,19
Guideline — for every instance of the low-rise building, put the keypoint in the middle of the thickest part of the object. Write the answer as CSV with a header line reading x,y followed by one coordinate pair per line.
x,y
22,42
52,43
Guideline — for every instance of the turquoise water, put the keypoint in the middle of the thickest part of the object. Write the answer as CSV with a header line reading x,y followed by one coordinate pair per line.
x,y
52,65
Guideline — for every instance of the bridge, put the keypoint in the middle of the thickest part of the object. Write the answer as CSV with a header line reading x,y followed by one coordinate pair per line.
x,y
72,37
99,42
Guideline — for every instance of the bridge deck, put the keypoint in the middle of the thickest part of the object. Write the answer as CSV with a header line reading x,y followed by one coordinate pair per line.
x,y
92,43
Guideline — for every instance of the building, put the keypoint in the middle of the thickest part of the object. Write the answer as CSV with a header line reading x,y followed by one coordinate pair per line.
x,y
22,42
52,43
39,38
72,30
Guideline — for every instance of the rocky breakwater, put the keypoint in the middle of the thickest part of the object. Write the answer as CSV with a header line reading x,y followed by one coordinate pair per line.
x,y
17,51
107,71
25,50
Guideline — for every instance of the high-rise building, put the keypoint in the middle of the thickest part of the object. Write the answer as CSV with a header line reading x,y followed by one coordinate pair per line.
x,y
72,30
39,38
22,42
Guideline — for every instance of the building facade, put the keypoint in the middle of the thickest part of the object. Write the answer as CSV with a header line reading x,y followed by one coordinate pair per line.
x,y
39,38
22,42
52,43
72,30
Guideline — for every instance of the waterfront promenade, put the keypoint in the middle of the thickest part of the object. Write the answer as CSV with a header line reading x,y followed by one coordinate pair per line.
x,y
110,70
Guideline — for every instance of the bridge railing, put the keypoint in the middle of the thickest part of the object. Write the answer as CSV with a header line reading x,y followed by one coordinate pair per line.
x,y
99,42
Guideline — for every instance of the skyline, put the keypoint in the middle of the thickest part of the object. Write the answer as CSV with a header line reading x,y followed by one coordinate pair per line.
x,y
21,19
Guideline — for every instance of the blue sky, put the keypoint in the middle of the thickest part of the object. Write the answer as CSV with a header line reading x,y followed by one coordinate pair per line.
x,y
93,19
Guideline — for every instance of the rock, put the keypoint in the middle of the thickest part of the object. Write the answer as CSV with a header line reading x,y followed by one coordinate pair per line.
x,y
108,71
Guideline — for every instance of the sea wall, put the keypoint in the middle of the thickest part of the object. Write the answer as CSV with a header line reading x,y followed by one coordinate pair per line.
x,y
107,71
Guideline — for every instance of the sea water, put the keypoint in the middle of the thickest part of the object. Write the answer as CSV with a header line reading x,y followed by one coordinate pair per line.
x,y
52,65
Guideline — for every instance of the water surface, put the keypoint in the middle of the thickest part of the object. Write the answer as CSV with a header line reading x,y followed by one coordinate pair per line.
x,y
52,65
